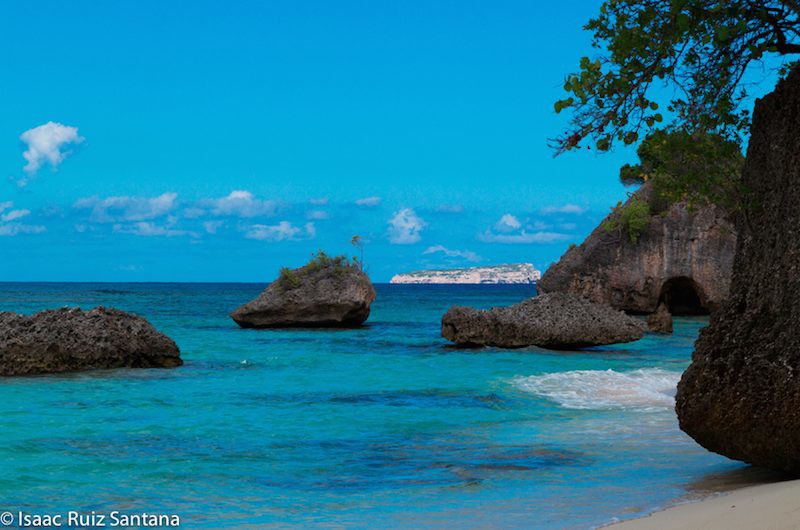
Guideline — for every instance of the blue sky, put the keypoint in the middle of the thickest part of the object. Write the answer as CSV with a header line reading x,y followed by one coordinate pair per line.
x,y
211,141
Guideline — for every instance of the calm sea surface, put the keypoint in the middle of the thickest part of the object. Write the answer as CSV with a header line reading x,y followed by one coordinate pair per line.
x,y
383,427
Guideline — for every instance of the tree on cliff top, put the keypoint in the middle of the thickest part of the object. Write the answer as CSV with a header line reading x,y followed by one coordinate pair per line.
x,y
696,168
697,50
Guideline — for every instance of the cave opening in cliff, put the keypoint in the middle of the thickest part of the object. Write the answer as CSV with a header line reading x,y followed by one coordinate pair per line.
x,y
683,297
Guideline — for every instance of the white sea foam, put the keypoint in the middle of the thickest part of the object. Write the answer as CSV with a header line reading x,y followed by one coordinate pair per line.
x,y
649,388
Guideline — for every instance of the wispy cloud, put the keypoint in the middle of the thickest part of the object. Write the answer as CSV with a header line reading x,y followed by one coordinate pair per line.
x,y
566,208
507,223
465,254
523,237
240,203
9,225
149,229
281,232
368,202
405,227
13,229
450,208
46,145
317,215
13,215
509,229
127,208
212,227
321,201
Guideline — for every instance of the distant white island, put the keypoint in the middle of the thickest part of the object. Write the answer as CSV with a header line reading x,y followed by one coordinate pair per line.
x,y
496,274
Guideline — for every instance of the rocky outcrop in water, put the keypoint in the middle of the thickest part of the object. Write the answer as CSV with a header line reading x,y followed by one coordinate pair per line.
x,y
68,340
682,258
661,320
740,397
556,321
311,296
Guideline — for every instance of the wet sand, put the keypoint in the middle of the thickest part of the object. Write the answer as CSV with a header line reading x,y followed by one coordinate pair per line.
x,y
774,506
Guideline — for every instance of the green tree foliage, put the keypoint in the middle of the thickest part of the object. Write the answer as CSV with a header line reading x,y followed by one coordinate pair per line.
x,y
697,168
697,51
629,219
335,265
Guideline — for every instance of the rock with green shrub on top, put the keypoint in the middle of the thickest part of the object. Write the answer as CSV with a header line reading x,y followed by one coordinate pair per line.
x,y
328,291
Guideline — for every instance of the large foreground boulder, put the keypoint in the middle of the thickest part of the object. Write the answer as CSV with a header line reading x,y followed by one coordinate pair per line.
x,y
556,321
682,258
336,294
67,340
740,397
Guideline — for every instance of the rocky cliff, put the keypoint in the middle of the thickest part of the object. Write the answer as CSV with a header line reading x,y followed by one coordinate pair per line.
x,y
497,274
682,258
740,397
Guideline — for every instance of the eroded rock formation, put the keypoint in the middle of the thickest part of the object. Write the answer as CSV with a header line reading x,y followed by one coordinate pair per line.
x,y
682,258
67,340
661,320
556,320
740,397
311,296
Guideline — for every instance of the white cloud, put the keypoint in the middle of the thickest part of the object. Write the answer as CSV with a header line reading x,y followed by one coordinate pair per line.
x,y
241,203
211,227
124,208
369,202
13,215
280,232
507,223
405,227
193,212
45,144
466,254
148,229
317,215
13,229
566,208
450,208
9,228
509,229
523,237
321,201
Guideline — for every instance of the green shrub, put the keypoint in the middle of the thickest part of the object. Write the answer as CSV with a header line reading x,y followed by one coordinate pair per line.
x,y
338,265
631,218
288,279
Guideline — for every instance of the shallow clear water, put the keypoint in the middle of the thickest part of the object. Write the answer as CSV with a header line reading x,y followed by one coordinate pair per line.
x,y
384,426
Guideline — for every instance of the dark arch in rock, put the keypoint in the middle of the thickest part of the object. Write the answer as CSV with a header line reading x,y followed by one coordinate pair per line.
x,y
683,296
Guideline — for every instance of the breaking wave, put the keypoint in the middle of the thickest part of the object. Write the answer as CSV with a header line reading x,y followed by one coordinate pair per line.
x,y
649,388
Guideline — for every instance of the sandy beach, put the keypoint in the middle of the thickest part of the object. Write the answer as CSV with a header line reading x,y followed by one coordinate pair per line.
x,y
773,506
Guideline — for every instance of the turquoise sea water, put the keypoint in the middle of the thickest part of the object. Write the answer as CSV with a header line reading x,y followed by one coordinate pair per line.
x,y
384,427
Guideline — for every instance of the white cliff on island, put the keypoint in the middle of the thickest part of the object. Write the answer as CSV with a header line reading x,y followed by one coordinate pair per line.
x,y
496,274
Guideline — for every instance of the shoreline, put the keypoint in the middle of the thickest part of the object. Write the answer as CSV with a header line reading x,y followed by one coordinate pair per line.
x,y
770,506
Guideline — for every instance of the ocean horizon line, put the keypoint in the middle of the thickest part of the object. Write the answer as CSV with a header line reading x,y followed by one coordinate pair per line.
x,y
209,282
